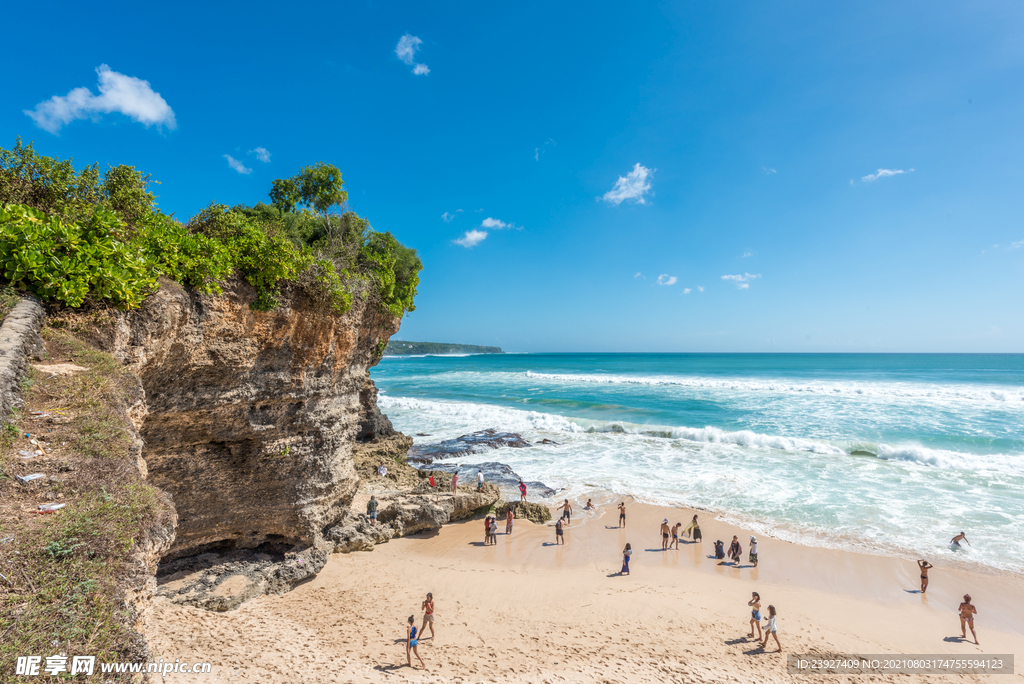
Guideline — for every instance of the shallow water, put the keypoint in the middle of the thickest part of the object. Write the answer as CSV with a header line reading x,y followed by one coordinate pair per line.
x,y
888,453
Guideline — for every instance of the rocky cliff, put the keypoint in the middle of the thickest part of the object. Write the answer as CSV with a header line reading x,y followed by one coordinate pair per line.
x,y
251,417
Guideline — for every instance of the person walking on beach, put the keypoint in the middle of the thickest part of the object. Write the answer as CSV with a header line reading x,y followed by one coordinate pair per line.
x,y
559,537
622,514
753,550
691,527
925,566
428,616
955,541
697,536
675,536
755,614
626,553
411,642
566,512
664,534
455,484
735,550
371,509
479,480
771,627
967,613
522,491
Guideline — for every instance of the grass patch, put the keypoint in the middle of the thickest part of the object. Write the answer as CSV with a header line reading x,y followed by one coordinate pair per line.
x,y
8,298
65,574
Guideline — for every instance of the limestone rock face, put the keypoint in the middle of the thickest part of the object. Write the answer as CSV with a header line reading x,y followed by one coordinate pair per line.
x,y
251,416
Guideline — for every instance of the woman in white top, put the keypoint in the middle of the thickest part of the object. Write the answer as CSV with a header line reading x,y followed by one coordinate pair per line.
x,y
772,627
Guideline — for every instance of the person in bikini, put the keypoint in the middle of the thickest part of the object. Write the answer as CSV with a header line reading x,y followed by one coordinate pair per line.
x,y
428,617
755,615
967,613
924,565
622,514
411,642
664,535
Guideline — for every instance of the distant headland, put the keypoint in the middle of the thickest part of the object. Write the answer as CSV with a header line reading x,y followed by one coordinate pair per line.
x,y
398,348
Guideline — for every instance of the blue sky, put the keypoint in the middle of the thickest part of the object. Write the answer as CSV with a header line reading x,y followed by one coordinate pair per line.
x,y
757,129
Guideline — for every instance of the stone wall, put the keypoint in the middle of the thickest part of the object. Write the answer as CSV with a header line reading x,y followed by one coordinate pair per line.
x,y
19,341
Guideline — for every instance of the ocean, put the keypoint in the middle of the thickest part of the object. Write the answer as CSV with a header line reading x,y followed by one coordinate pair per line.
x,y
880,453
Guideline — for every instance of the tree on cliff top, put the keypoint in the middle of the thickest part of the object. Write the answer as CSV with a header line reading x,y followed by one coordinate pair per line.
x,y
319,188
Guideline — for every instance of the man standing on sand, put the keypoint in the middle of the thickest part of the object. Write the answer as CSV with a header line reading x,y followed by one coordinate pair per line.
x,y
479,480
559,537
371,509
924,565
675,536
566,512
955,541
622,514
522,491
455,483
967,613
664,534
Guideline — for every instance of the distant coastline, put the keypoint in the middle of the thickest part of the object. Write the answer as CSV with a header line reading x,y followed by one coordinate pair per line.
x,y
401,348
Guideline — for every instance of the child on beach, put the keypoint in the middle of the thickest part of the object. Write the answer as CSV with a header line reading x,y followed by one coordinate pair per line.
x,y
559,537
487,530
967,613
626,553
771,627
411,643
755,614
753,550
675,536
508,522
924,565
566,512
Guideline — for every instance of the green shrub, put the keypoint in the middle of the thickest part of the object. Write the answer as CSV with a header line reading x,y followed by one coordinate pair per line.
x,y
69,262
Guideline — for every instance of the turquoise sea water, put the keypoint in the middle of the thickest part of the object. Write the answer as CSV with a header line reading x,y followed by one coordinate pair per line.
x,y
887,453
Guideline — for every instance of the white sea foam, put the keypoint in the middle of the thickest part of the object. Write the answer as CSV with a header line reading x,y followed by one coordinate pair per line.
x,y
478,416
913,391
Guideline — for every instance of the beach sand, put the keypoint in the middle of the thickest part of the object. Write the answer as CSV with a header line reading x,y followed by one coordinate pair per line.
x,y
528,611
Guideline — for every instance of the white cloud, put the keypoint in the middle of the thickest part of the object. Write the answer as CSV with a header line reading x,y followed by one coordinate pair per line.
x,y
687,290
666,279
496,224
127,95
768,171
406,51
632,186
448,217
746,254
882,173
741,280
639,275
262,153
237,165
472,238
1017,245
536,153
700,288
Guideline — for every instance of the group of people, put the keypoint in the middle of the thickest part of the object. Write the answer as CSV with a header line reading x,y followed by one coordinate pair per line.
x,y
413,635
491,527
693,528
771,622
736,550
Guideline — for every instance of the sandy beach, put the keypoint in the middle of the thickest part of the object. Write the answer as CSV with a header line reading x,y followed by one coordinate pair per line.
x,y
526,610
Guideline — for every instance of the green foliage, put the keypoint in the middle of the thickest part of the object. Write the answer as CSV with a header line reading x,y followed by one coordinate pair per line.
x,y
68,262
62,548
72,237
53,186
395,268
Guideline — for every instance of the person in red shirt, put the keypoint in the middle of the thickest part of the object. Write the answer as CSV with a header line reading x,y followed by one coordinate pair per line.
x,y
522,491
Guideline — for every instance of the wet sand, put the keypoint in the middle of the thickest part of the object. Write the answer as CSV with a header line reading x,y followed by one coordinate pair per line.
x,y
526,610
